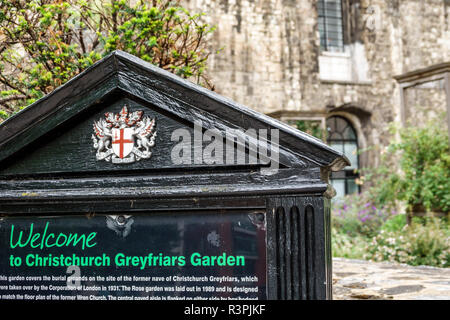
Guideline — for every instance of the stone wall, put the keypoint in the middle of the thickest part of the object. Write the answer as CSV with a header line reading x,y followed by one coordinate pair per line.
x,y
427,101
270,57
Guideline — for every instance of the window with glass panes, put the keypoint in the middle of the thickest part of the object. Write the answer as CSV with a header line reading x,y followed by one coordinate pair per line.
x,y
341,136
330,25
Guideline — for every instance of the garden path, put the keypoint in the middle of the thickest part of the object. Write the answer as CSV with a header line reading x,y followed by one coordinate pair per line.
x,y
358,279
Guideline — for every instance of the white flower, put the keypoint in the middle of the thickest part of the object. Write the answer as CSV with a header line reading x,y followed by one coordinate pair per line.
x,y
390,240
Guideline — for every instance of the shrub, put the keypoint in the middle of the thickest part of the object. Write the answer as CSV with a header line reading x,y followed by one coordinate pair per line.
x,y
345,246
424,177
366,227
417,244
395,223
360,230
358,215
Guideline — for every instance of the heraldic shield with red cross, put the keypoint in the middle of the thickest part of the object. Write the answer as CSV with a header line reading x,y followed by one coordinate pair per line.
x,y
124,137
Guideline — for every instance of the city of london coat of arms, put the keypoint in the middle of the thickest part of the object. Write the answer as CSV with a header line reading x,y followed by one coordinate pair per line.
x,y
124,137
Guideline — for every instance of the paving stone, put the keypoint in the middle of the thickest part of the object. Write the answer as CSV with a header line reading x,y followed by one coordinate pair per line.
x,y
403,289
367,280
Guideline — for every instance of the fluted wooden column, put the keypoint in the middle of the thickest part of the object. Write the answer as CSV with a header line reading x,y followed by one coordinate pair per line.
x,y
299,248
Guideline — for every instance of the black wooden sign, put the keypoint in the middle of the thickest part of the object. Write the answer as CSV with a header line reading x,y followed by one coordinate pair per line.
x,y
155,170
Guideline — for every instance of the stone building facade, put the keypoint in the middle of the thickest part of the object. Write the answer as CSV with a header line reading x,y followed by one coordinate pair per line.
x,y
330,61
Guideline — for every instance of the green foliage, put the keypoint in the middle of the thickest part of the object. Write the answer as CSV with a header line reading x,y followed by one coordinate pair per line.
x,y
360,230
44,43
345,246
418,244
3,115
355,215
394,224
424,177
313,128
422,181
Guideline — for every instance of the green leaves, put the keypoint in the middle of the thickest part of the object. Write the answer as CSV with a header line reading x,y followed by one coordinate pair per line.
x,y
48,42
424,179
421,243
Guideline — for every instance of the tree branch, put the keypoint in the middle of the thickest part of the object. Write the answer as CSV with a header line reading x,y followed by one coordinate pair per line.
x,y
13,98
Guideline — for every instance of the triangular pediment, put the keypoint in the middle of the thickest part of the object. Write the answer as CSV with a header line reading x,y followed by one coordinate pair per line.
x,y
54,135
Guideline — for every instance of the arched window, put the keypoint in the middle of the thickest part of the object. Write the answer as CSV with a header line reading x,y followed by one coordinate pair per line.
x,y
341,136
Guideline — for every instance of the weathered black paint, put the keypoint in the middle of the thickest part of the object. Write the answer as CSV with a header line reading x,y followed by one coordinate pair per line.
x,y
48,167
